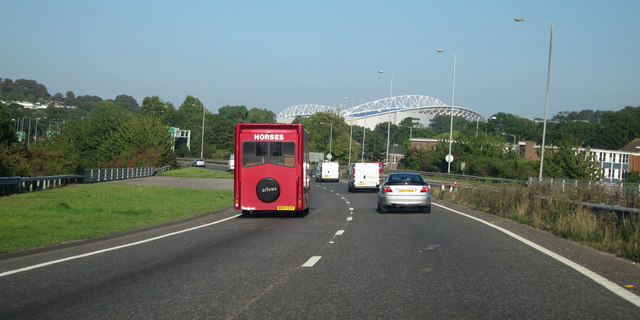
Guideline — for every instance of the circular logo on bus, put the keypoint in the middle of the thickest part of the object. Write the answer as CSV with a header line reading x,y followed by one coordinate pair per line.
x,y
268,190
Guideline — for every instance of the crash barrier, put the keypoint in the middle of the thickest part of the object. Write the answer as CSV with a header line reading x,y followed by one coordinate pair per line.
x,y
101,175
11,185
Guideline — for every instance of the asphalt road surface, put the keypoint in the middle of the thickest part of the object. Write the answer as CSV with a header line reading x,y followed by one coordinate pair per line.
x,y
343,260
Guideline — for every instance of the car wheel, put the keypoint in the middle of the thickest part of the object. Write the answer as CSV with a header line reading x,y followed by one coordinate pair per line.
x,y
382,209
427,209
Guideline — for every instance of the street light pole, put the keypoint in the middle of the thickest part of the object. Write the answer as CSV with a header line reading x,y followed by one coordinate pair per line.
x,y
453,96
364,132
388,123
546,99
353,100
202,142
330,136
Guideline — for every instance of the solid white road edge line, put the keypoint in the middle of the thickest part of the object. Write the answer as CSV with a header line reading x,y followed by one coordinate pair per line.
x,y
311,262
609,285
6,273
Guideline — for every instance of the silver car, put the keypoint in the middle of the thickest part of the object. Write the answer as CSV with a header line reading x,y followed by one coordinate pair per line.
x,y
404,190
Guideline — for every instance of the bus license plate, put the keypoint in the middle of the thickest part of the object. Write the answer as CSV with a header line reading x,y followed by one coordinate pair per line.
x,y
287,208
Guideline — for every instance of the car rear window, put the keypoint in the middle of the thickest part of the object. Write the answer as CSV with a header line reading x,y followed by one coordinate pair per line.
x,y
405,179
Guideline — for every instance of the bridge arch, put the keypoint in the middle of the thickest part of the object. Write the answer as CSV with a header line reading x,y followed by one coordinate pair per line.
x,y
398,105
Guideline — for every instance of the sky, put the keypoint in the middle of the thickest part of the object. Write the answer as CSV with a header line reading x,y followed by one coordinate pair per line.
x,y
277,54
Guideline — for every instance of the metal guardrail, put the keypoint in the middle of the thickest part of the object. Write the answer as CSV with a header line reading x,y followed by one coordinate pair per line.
x,y
101,175
11,185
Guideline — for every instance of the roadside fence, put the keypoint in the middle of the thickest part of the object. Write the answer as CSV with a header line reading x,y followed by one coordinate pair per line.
x,y
569,184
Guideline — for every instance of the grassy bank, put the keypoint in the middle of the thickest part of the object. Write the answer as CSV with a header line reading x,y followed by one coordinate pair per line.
x,y
197,173
559,213
84,211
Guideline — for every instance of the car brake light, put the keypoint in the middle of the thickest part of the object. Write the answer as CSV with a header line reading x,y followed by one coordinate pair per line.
x,y
386,188
425,188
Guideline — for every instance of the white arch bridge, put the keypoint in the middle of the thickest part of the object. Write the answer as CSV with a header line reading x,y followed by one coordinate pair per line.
x,y
400,107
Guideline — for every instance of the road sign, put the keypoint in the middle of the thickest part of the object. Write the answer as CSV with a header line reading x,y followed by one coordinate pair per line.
x,y
329,156
449,158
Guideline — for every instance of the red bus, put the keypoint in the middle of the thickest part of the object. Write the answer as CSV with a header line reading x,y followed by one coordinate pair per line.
x,y
272,171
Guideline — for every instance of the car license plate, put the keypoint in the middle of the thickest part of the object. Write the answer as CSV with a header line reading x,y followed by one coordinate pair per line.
x,y
286,208
361,183
406,190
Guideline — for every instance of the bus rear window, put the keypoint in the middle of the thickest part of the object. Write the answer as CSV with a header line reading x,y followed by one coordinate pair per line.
x,y
261,152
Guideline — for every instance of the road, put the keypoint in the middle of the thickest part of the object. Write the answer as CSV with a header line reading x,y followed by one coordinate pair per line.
x,y
343,260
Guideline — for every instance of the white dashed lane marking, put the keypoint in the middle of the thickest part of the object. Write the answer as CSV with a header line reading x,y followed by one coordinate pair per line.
x,y
311,262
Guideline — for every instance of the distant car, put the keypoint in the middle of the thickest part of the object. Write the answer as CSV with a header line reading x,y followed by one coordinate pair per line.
x,y
197,163
404,190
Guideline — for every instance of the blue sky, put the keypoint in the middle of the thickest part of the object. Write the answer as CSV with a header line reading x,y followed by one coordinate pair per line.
x,y
277,54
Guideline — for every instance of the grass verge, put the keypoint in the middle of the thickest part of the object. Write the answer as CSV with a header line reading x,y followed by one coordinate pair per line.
x,y
191,172
84,211
558,212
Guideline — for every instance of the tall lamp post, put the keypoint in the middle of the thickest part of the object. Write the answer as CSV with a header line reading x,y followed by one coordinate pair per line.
x,y
202,142
353,101
453,96
364,132
330,136
546,99
388,123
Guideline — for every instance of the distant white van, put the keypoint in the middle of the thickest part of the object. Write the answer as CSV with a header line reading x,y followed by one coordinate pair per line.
x,y
328,171
232,163
364,176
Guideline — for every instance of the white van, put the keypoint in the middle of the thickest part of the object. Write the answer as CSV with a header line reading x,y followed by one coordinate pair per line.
x,y
231,164
364,176
328,171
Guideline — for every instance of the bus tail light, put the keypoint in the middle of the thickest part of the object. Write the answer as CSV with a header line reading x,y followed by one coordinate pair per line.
x,y
236,203
299,203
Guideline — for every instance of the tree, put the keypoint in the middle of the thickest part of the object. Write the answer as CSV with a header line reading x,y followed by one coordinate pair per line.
x,y
440,124
87,103
115,137
152,106
569,163
7,135
235,114
261,116
618,128
127,102
327,132
70,99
